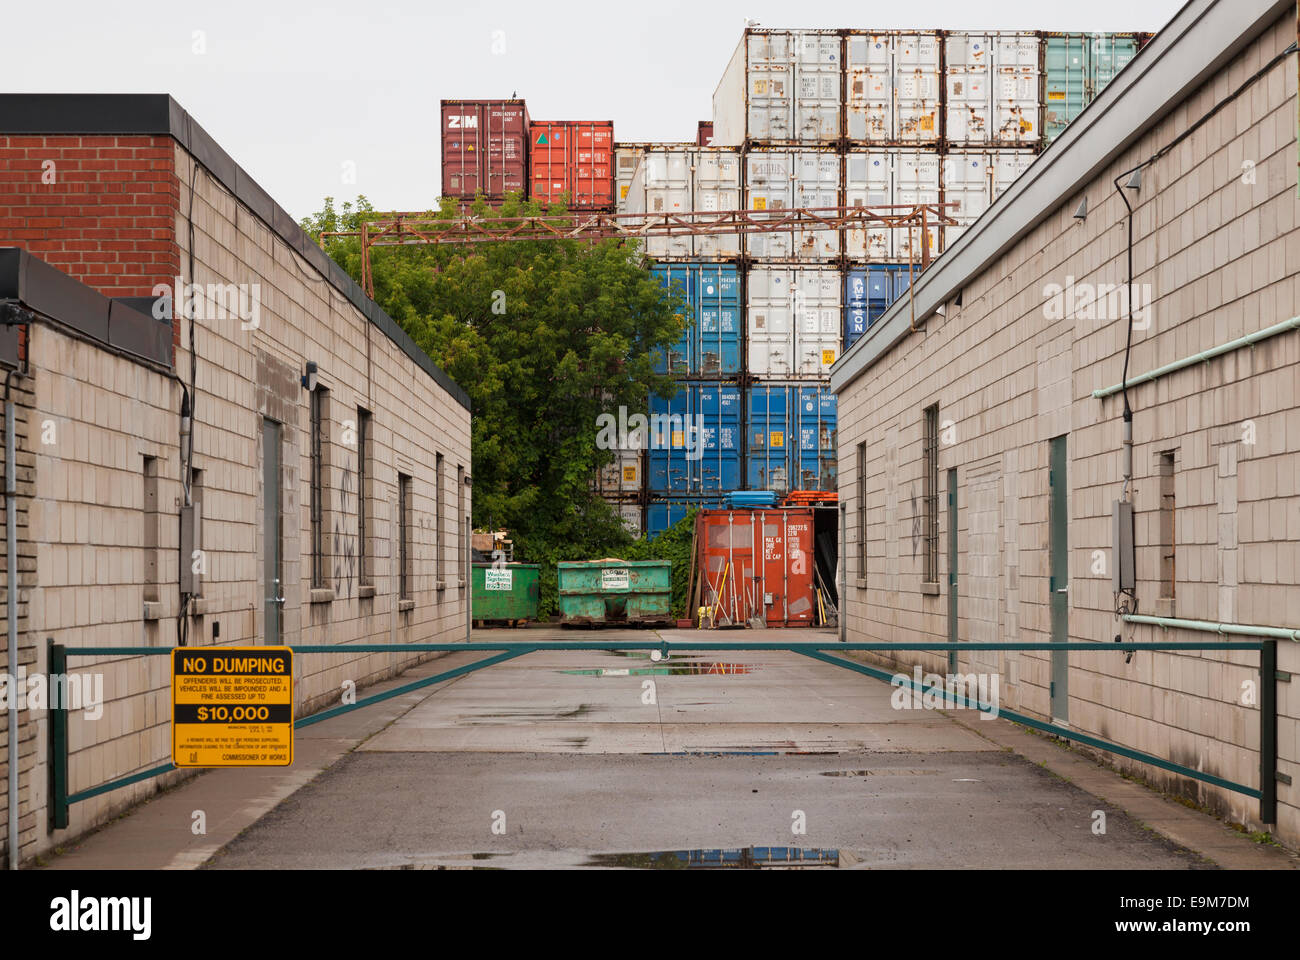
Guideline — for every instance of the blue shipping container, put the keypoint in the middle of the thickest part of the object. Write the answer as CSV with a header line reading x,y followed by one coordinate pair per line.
x,y
695,441
791,439
767,439
868,293
816,421
710,347
662,514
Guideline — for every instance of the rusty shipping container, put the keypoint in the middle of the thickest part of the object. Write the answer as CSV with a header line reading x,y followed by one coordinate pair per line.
x,y
574,157
892,89
704,134
758,565
484,148
781,87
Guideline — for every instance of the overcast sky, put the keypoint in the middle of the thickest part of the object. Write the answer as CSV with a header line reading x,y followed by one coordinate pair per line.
x,y
294,91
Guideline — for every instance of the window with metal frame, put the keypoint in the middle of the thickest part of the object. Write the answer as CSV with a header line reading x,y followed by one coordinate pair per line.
x,y
439,523
462,524
862,511
1168,539
403,537
930,493
363,496
319,418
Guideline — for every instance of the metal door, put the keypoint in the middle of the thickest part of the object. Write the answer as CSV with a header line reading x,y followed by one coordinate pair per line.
x,y
271,531
1059,581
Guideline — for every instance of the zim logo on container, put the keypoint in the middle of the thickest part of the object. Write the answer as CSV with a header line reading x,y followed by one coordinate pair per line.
x,y
462,123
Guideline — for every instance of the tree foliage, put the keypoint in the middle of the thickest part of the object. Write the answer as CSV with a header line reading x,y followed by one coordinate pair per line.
x,y
545,336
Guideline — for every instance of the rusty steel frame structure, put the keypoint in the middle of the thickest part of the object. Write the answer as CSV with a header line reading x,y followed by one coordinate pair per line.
x,y
421,229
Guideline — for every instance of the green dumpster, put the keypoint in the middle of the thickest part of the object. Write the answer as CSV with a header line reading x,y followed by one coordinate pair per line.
x,y
505,593
616,592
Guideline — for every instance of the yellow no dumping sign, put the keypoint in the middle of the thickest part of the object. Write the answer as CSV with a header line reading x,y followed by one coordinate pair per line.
x,y
232,707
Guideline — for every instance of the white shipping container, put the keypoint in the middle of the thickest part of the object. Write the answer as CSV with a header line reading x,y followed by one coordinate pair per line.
x,y
976,178
968,60
781,86
1017,94
992,86
1008,165
916,87
630,514
794,321
916,181
623,475
869,89
785,179
677,179
626,158
869,181
890,176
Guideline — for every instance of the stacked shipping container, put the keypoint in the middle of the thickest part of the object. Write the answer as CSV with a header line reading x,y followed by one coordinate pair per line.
x,y
573,159
1076,67
484,148
803,118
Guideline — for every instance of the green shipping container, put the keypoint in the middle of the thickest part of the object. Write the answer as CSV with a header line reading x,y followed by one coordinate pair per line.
x,y
616,592
506,593
1077,68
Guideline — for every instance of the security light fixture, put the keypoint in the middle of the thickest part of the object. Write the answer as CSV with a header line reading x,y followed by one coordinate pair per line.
x,y
1082,212
1135,181
187,430
309,378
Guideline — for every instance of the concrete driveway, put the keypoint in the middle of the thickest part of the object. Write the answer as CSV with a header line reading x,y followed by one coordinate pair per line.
x,y
565,759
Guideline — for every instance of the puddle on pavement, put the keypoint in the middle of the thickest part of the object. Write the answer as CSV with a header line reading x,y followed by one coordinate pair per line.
x,y
696,668
876,773
745,858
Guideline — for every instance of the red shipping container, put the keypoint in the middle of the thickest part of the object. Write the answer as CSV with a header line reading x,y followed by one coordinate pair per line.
x,y
773,580
574,157
704,136
484,148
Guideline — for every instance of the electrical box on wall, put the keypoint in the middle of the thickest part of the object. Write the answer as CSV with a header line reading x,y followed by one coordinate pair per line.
x,y
1124,565
192,567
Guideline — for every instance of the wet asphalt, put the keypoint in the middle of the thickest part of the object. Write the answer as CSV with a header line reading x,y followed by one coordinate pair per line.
x,y
585,759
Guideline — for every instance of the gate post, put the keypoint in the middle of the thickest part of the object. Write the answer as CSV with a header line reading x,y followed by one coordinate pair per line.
x,y
58,751
1268,732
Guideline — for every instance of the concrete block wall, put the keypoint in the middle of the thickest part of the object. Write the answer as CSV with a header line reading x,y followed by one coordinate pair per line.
x,y
1217,245
97,550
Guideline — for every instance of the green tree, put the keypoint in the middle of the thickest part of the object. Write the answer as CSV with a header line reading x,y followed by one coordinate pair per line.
x,y
545,336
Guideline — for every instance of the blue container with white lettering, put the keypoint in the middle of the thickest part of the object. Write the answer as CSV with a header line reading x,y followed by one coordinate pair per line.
x,y
868,293
791,437
694,441
710,345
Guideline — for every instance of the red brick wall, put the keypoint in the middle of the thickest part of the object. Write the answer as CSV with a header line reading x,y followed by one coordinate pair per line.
x,y
109,217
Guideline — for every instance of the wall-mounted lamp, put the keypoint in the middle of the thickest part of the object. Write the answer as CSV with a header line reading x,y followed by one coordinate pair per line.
x,y
309,378
1135,181
187,430
941,310
1082,212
